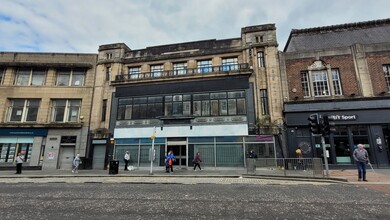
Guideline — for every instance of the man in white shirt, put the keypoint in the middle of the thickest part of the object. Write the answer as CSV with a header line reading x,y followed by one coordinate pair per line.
x,y
127,159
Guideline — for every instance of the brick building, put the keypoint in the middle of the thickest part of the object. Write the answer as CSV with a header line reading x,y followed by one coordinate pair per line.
x,y
341,71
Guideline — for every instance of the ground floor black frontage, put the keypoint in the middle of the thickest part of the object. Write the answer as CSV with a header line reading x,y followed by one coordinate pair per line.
x,y
359,121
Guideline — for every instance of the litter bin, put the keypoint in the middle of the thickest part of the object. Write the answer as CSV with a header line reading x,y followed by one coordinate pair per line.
x,y
251,165
114,167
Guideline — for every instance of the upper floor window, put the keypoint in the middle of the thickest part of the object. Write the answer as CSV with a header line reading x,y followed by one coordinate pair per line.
x,y
23,110
156,70
179,68
104,110
318,83
204,66
65,110
70,77
2,73
108,56
134,72
264,102
229,64
30,77
305,84
260,58
108,72
386,71
336,82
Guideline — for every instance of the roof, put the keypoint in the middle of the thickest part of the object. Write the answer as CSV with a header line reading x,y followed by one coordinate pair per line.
x,y
344,35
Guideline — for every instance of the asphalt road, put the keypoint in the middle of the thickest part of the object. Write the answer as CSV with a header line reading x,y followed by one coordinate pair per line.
x,y
190,201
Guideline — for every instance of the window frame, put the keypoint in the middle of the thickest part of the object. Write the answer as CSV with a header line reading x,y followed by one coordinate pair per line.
x,y
67,110
156,70
27,107
229,64
386,72
70,74
134,72
180,68
261,59
30,74
204,66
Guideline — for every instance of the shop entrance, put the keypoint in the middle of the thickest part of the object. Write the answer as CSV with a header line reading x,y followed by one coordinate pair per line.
x,y
180,152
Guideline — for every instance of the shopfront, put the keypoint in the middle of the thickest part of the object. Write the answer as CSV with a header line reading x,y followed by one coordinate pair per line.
x,y
28,142
357,122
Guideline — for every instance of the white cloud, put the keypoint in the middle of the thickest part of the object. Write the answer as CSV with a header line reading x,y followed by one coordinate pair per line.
x,y
82,25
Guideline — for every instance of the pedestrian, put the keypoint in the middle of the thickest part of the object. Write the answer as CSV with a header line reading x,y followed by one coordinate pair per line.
x,y
76,164
169,159
361,157
19,162
298,153
197,161
127,159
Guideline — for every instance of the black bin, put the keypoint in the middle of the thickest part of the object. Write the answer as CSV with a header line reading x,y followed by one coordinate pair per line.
x,y
114,167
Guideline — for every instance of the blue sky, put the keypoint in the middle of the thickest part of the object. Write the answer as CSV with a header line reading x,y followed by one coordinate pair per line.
x,y
80,26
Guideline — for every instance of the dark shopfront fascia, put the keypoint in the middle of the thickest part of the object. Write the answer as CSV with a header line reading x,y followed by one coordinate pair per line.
x,y
364,121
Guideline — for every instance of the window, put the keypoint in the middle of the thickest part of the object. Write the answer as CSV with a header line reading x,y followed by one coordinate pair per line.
x,y
140,108
260,58
108,72
104,109
23,110
386,71
108,56
156,70
179,68
177,105
30,77
65,110
134,72
70,77
305,84
204,66
2,73
8,151
229,64
336,82
320,83
264,102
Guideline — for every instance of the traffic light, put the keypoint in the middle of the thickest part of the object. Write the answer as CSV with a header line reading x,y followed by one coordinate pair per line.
x,y
327,125
314,124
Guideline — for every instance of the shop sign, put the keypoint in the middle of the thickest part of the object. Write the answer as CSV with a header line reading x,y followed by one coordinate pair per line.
x,y
68,139
99,141
343,117
23,132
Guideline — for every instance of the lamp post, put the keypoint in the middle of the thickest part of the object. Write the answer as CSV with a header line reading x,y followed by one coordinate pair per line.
x,y
151,154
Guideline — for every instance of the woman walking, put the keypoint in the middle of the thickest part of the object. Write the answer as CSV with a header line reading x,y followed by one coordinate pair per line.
x,y
197,161
76,164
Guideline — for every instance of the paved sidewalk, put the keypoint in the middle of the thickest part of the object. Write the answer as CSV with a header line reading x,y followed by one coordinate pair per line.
x,y
381,176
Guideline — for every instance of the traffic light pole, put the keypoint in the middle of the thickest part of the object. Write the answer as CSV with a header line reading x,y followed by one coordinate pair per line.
x,y
325,156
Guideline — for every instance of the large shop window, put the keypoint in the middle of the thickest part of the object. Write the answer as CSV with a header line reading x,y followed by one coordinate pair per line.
x,y
202,104
10,147
30,77
23,110
65,110
70,77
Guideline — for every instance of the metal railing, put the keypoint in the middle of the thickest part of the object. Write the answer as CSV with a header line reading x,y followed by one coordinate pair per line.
x,y
307,167
242,67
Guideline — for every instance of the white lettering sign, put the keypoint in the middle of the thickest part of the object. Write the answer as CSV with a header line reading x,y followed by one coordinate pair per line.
x,y
343,117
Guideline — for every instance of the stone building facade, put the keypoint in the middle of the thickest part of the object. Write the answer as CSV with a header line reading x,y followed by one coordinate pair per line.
x,y
211,96
341,71
45,106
